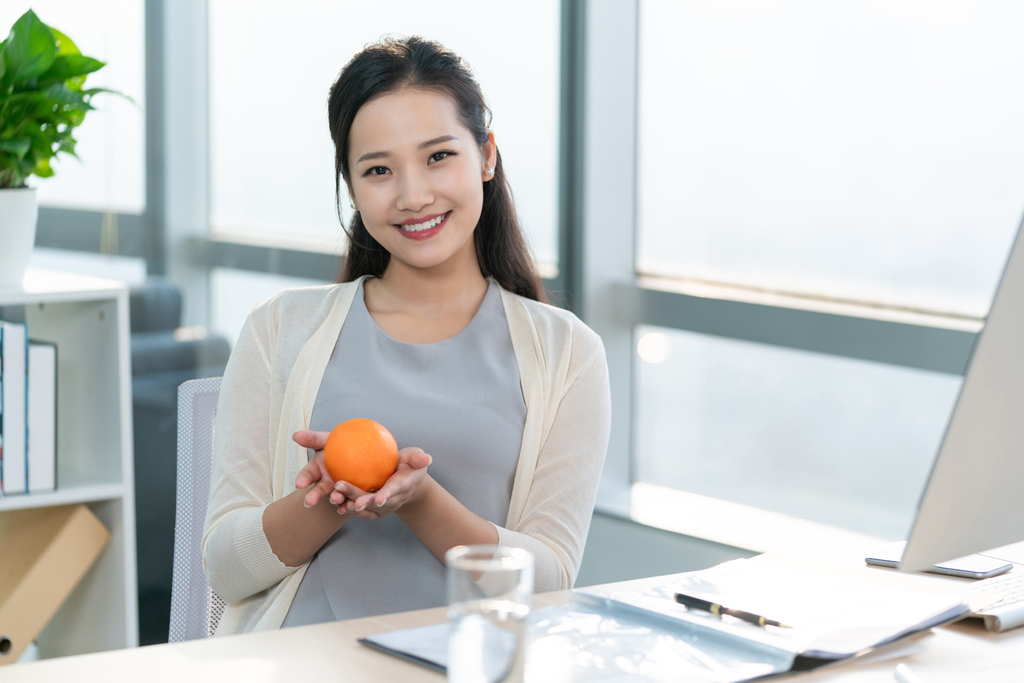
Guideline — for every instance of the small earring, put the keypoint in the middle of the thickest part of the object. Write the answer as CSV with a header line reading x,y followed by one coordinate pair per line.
x,y
352,204
489,171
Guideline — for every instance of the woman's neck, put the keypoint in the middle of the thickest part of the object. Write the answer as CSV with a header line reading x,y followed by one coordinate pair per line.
x,y
422,306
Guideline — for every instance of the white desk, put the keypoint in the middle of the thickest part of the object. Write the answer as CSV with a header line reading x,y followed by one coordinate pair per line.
x,y
329,652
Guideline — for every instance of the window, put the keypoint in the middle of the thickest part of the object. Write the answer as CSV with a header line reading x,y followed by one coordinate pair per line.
x,y
841,441
859,151
846,154
272,159
235,292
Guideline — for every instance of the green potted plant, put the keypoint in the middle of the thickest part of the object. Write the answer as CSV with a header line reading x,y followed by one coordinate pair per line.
x,y
42,101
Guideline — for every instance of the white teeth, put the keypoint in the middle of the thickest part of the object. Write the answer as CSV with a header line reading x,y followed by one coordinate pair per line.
x,y
426,225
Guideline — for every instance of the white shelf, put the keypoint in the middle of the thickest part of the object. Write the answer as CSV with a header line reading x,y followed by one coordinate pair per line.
x,y
87,318
65,496
43,286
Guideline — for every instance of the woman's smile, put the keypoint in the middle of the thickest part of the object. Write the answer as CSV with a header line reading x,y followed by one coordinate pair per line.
x,y
423,228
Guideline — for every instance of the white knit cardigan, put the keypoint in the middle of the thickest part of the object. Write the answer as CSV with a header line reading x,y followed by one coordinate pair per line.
x,y
268,391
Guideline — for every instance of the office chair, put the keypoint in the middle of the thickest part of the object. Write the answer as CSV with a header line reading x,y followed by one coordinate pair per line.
x,y
195,608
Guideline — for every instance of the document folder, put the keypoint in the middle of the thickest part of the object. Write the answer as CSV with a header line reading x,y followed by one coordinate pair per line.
x,y
46,552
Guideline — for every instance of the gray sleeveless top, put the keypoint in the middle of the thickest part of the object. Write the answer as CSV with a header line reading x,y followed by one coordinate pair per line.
x,y
460,400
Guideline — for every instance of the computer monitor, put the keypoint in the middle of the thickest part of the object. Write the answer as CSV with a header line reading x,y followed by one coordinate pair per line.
x,y
974,500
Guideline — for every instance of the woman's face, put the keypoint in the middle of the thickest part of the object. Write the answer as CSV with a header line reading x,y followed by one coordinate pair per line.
x,y
416,177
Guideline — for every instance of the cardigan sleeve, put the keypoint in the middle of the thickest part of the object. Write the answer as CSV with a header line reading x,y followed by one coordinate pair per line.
x,y
560,504
237,557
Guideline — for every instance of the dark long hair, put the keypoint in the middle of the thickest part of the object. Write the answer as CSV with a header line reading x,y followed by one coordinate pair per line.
x,y
415,62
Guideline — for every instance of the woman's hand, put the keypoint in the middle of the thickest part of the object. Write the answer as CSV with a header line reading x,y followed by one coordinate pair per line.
x,y
315,472
405,486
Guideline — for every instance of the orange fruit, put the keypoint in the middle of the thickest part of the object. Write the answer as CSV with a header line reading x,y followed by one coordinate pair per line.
x,y
361,452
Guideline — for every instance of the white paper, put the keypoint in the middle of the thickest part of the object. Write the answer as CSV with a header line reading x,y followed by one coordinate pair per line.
x,y
833,615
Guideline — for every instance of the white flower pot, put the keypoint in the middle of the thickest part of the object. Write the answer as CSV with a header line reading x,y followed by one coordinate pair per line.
x,y
18,213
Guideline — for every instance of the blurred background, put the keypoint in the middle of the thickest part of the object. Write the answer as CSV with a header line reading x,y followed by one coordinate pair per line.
x,y
786,218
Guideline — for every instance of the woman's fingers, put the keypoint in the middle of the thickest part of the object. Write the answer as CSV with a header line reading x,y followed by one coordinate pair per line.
x,y
312,497
414,457
352,492
315,476
309,474
347,491
412,464
322,489
363,502
307,438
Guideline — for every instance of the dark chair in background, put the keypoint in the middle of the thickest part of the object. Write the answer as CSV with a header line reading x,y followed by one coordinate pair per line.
x,y
163,356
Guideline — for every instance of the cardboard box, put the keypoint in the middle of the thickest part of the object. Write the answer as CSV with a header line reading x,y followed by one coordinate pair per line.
x,y
44,553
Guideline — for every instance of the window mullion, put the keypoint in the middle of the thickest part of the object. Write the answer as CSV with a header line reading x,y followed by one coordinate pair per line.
x,y
609,201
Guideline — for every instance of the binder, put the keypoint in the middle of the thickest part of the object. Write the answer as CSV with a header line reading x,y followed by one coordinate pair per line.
x,y
13,408
42,416
46,552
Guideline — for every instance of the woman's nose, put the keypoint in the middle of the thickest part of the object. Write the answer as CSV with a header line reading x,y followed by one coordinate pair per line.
x,y
414,191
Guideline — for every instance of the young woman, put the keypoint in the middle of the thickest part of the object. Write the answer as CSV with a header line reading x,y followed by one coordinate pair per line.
x,y
437,330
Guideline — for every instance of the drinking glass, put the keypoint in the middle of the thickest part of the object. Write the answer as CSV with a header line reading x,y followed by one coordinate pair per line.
x,y
489,590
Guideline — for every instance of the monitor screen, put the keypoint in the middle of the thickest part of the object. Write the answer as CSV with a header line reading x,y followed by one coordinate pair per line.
x,y
974,500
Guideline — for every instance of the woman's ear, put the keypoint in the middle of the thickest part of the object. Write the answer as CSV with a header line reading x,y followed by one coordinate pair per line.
x,y
489,151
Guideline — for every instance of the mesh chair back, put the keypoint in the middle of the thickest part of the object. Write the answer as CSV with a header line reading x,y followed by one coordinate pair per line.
x,y
195,608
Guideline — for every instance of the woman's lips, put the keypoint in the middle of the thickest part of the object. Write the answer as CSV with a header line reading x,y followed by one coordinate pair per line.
x,y
425,234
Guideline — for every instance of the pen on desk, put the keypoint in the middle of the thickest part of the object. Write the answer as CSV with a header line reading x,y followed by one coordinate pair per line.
x,y
706,606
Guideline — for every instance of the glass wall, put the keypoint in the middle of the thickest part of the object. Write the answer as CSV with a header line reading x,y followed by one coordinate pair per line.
x,y
869,151
235,292
271,66
840,441
865,152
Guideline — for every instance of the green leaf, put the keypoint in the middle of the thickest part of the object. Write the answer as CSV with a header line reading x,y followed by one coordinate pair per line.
x,y
69,66
92,91
65,46
19,147
3,60
60,94
10,175
19,97
68,147
40,144
42,168
30,48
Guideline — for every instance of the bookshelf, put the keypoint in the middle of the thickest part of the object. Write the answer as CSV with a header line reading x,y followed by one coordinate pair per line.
x,y
87,318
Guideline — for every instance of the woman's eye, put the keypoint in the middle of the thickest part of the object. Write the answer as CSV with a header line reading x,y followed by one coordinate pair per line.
x,y
438,156
377,170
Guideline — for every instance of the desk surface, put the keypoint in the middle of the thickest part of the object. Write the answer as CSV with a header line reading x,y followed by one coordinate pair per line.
x,y
329,651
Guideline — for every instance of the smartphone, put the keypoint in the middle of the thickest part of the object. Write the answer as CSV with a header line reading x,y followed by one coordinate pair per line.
x,y
969,567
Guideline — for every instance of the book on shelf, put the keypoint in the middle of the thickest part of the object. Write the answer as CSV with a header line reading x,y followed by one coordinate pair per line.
x,y
28,412
835,612
13,408
42,416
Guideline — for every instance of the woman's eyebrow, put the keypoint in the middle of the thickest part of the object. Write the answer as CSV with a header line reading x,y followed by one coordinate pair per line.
x,y
437,140
371,155
423,145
